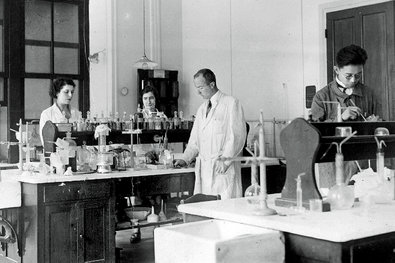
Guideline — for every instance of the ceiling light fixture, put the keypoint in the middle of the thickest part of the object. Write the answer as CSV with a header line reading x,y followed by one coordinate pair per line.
x,y
144,62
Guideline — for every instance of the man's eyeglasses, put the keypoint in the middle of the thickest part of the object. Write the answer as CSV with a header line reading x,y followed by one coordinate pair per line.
x,y
350,76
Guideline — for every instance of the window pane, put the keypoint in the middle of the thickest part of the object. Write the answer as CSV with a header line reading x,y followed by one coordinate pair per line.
x,y
37,97
37,59
65,23
74,101
1,36
1,48
1,89
66,61
38,20
2,9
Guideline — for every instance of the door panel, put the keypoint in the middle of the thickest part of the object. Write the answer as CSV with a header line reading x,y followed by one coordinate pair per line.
x,y
60,233
374,41
94,232
341,27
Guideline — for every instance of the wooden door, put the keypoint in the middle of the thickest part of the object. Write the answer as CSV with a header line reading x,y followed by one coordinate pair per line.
x,y
60,230
96,232
371,27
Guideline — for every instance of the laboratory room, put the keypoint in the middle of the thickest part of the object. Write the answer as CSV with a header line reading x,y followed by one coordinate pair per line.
x,y
197,131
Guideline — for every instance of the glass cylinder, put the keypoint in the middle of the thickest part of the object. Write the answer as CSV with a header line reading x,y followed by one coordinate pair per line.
x,y
102,143
340,196
380,165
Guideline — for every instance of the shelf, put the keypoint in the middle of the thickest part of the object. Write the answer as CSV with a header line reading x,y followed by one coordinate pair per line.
x,y
147,136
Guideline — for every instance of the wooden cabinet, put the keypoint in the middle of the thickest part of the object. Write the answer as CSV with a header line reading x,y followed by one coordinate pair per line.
x,y
70,222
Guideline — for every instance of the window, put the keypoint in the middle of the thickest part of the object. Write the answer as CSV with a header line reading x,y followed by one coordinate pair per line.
x,y
54,46
43,40
2,68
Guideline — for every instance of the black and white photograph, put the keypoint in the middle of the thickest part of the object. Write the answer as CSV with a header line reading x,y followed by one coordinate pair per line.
x,y
191,131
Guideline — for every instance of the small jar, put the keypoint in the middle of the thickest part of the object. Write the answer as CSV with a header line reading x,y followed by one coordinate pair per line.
x,y
151,123
158,123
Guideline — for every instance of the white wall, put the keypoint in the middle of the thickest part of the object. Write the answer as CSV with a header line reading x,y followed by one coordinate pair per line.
x,y
116,26
263,52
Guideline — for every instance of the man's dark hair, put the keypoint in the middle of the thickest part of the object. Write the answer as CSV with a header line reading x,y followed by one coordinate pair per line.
x,y
58,85
207,74
351,55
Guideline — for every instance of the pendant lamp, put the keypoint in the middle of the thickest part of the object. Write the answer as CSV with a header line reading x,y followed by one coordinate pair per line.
x,y
144,62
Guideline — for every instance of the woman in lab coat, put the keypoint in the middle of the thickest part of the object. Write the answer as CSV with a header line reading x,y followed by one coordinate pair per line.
x,y
219,130
61,91
149,97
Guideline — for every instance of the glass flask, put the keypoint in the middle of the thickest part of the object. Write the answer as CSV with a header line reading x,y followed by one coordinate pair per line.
x,y
252,194
340,196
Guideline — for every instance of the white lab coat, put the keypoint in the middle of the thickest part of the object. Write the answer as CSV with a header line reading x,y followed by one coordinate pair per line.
x,y
222,133
54,114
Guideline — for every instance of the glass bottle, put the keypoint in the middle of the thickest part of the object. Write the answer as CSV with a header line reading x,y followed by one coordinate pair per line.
x,y
80,122
176,121
83,159
182,123
94,122
150,123
88,123
139,118
72,152
158,123
131,122
124,122
340,196
117,123
111,121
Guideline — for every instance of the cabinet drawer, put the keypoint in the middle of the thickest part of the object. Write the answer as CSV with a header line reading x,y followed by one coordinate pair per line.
x,y
76,191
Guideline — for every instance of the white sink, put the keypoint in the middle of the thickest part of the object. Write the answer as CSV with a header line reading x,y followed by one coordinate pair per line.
x,y
10,189
217,241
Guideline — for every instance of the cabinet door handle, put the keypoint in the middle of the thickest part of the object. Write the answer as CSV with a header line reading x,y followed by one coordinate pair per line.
x,y
81,236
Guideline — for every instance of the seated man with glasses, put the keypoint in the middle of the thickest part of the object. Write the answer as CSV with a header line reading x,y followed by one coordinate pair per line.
x,y
356,100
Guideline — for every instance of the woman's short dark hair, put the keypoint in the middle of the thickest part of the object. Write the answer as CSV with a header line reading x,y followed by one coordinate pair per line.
x,y
207,74
147,89
351,55
58,84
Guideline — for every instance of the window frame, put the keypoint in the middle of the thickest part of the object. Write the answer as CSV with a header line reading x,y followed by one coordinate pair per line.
x,y
14,62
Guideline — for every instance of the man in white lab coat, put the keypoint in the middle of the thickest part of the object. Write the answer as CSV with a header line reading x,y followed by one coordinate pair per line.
x,y
219,130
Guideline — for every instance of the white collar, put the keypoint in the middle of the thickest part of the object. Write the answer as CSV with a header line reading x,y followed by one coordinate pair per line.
x,y
342,87
214,98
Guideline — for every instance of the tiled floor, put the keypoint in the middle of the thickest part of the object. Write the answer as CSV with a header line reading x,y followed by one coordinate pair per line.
x,y
141,252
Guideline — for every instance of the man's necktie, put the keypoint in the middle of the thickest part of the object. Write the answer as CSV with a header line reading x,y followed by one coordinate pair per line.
x,y
208,107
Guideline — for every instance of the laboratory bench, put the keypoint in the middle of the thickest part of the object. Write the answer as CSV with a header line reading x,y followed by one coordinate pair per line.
x,y
359,234
57,216
72,218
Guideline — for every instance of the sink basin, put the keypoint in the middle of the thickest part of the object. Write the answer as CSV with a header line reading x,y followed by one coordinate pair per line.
x,y
10,189
217,241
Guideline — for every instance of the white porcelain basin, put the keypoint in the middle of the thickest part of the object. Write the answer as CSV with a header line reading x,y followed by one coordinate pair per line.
x,y
217,241
10,189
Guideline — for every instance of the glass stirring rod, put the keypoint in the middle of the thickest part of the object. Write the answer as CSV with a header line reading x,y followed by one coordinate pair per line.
x,y
352,102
